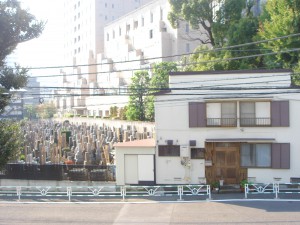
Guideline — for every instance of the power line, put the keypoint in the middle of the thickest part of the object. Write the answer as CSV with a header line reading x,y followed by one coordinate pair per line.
x,y
171,56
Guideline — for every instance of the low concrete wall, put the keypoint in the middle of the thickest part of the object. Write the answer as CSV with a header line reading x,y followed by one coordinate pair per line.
x,y
52,183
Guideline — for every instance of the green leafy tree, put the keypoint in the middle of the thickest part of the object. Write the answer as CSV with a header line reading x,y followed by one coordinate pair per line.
x,y
159,81
280,18
211,17
113,112
30,111
16,25
10,141
139,89
46,110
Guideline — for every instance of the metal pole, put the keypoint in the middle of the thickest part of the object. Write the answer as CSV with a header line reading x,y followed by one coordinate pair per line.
x,y
19,192
208,192
180,192
69,192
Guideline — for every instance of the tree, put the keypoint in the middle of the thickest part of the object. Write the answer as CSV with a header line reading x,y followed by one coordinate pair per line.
x,y
46,110
17,25
280,18
137,99
10,141
159,81
211,17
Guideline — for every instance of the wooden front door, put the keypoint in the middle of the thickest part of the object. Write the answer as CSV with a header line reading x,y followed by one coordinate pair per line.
x,y
227,162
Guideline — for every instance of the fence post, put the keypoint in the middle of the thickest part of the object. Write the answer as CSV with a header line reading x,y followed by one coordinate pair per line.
x,y
69,192
123,192
276,189
246,190
19,192
208,192
180,192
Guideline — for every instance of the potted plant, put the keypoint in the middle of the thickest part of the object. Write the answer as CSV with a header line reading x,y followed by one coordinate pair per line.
x,y
243,184
215,185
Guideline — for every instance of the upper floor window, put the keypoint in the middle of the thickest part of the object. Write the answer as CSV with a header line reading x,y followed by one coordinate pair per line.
x,y
255,113
150,34
216,114
151,17
221,114
187,28
143,21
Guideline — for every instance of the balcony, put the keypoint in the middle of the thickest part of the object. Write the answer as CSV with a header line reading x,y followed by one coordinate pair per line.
x,y
244,122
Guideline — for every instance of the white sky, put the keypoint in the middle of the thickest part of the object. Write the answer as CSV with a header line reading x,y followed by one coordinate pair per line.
x,y
47,49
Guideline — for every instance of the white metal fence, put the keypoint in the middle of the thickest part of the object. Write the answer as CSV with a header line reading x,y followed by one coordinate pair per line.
x,y
121,192
276,189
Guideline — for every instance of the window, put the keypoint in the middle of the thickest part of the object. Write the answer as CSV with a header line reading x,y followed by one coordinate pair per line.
x,y
107,37
187,28
255,114
112,5
221,114
197,153
151,17
113,34
120,31
143,21
78,38
168,150
151,34
187,48
256,155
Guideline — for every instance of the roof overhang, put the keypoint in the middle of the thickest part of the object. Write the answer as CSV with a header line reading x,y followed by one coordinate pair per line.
x,y
243,140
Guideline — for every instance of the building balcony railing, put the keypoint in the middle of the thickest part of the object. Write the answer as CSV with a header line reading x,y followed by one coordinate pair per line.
x,y
255,122
233,122
221,122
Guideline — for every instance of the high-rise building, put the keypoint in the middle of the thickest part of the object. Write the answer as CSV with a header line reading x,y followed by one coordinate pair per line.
x,y
84,23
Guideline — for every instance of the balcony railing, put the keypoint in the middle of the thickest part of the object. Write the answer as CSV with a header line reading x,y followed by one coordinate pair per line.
x,y
221,122
232,122
255,122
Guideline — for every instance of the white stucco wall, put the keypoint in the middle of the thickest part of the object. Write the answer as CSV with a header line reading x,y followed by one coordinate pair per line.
x,y
120,158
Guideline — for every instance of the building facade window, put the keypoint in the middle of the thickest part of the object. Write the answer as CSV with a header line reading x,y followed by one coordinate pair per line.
x,y
168,150
256,155
221,114
197,153
151,17
187,28
187,48
255,113
150,34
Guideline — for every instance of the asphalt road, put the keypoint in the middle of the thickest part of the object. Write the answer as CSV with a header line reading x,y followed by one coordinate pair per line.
x,y
153,213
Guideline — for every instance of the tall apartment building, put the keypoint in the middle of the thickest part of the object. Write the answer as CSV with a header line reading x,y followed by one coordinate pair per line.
x,y
84,23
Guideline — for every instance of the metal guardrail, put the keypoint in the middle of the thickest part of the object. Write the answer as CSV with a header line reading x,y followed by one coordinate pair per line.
x,y
272,188
106,191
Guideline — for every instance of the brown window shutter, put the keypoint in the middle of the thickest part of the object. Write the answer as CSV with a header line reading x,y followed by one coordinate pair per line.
x,y
280,115
201,114
197,114
285,156
275,156
281,156
193,113
284,114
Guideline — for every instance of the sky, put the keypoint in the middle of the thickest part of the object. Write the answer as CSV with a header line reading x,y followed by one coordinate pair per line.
x,y
47,49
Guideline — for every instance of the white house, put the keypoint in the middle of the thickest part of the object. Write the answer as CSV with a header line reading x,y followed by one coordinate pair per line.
x,y
228,125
